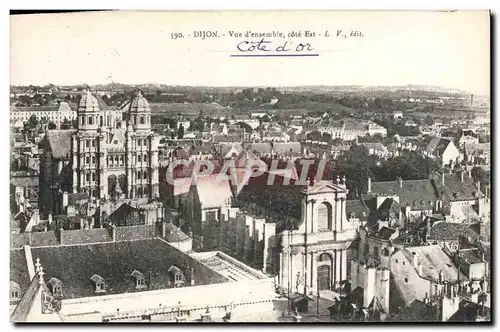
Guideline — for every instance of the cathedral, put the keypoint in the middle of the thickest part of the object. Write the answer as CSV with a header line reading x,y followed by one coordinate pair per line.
x,y
112,155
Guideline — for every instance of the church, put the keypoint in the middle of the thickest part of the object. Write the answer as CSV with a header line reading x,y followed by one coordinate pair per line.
x,y
112,154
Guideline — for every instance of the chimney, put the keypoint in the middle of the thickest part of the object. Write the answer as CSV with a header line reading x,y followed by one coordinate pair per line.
x,y
478,184
415,260
426,298
462,176
369,185
113,232
442,178
163,229
469,173
50,218
400,180
65,199
61,231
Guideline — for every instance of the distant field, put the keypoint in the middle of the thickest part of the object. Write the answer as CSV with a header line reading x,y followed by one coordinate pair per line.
x,y
188,109
316,106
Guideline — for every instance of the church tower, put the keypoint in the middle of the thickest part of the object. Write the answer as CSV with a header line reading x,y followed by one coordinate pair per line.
x,y
87,147
141,146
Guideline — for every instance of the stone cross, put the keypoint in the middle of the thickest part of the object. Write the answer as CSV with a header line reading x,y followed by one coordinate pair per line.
x,y
37,265
40,274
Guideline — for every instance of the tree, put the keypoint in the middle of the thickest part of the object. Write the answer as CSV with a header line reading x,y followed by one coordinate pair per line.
x,y
429,120
180,132
31,124
478,174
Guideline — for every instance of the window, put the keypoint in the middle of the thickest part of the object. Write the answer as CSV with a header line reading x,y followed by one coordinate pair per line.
x,y
178,277
139,174
141,282
14,295
91,121
406,279
87,143
121,159
145,158
57,289
145,174
139,158
82,120
99,286
87,177
116,160
396,261
93,159
93,176
87,160
138,142
403,262
93,143
142,119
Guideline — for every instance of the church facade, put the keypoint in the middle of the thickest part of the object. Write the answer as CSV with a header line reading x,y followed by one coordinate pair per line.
x,y
114,152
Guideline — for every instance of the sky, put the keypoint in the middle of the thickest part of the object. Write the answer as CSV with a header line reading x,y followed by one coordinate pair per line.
x,y
448,49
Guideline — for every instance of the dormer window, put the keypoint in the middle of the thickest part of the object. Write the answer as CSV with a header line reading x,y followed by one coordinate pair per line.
x,y
15,291
176,276
56,285
140,280
99,282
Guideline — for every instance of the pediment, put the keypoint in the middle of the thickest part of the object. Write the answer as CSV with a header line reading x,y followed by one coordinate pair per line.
x,y
324,187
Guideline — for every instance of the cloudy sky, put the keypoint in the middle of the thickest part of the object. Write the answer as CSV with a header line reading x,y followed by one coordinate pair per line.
x,y
449,49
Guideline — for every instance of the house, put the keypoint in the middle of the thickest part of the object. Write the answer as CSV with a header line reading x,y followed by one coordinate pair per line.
x,y
477,153
397,115
443,150
376,149
424,272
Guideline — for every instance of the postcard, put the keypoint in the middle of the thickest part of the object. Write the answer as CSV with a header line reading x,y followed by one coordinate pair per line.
x,y
250,166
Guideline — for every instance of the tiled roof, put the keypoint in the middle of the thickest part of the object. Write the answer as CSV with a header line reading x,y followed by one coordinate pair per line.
x,y
454,188
419,194
389,206
444,231
174,234
138,232
114,262
19,240
39,239
385,233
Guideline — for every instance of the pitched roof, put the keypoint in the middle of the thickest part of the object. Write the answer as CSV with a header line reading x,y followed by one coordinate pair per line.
x,y
265,147
471,148
174,233
433,260
114,262
417,311
419,194
469,312
212,191
19,269
444,231
358,207
136,232
39,239
437,146
81,236
385,233
125,215
455,189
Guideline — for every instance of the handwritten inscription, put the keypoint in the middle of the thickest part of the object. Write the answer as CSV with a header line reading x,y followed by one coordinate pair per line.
x,y
264,45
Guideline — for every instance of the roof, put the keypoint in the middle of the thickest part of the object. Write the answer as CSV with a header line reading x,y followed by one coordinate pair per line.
x,y
358,207
19,269
455,189
73,198
433,260
125,215
213,192
471,148
114,262
469,312
294,147
59,143
444,231
390,206
385,233
174,234
81,236
136,232
419,194
417,311
265,147
25,305
39,239
437,146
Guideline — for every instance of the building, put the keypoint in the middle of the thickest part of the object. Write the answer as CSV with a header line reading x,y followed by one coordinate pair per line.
x,y
112,152
55,114
443,150
122,281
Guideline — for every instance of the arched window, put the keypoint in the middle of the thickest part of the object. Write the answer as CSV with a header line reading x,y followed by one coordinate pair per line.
x,y
93,143
324,216
325,258
139,174
139,142
82,120
145,174
91,121
139,191
139,158
93,159
116,160
146,191
87,177
87,143
93,176
121,159
101,121
142,119
87,160
145,158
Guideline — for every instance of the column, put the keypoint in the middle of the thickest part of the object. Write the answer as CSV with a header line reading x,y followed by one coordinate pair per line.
x,y
282,267
335,217
338,260
314,272
344,265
